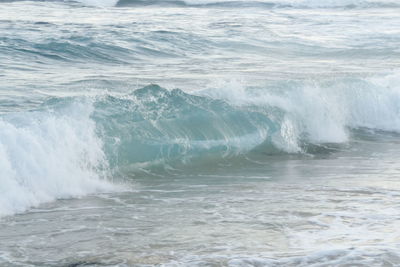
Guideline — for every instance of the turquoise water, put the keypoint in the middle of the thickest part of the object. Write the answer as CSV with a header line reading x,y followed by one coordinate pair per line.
x,y
199,133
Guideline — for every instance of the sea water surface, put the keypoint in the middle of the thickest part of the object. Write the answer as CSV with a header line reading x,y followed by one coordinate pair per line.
x,y
200,133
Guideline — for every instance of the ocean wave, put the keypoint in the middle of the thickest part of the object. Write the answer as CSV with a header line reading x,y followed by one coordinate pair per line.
x,y
70,146
77,50
83,49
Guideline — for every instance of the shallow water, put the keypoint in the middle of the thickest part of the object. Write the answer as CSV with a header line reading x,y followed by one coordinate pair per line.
x,y
279,147
335,210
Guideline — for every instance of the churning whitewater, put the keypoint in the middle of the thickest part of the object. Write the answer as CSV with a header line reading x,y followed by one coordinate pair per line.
x,y
199,133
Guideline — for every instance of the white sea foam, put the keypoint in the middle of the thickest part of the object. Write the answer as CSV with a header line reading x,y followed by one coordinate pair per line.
x,y
49,155
322,112
335,257
100,3
335,3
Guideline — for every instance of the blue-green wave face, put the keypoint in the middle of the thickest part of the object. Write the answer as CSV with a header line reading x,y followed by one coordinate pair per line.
x,y
153,125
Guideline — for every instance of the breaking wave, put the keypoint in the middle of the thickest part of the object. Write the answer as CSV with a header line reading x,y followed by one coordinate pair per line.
x,y
45,155
71,146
